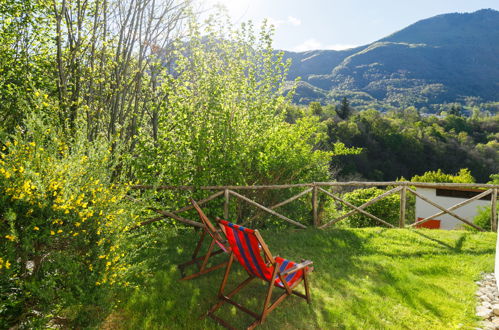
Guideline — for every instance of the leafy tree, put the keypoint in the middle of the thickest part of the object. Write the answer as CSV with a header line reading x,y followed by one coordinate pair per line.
x,y
463,176
494,179
316,109
223,122
344,109
456,110
25,61
400,143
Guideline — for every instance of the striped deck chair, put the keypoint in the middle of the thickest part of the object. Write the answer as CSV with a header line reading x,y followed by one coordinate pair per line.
x,y
249,249
202,261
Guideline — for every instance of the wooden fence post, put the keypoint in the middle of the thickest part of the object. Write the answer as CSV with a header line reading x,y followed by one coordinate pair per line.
x,y
493,210
314,206
316,188
226,204
403,200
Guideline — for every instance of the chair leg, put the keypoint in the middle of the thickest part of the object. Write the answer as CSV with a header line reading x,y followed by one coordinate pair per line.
x,y
265,310
307,290
222,287
223,299
208,255
194,258
204,271
226,275
198,246
267,305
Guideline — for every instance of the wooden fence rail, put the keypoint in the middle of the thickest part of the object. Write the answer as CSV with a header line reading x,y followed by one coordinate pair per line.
x,y
316,188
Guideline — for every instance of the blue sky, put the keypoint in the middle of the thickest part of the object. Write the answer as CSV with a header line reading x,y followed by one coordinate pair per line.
x,y
333,24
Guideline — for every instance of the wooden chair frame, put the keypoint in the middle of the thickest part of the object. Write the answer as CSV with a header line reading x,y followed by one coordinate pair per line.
x,y
202,261
267,305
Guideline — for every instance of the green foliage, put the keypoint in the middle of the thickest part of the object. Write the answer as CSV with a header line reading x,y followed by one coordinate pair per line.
x,y
494,179
344,110
24,45
483,217
401,143
61,220
463,176
223,104
91,100
386,209
224,123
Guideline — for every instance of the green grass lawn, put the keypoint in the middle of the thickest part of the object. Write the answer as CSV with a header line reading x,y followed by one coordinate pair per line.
x,y
364,279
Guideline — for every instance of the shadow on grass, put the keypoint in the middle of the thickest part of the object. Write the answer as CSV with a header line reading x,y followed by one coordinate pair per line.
x,y
457,248
363,279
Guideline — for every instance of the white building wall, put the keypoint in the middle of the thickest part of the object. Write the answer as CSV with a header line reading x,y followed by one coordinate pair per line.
x,y
468,211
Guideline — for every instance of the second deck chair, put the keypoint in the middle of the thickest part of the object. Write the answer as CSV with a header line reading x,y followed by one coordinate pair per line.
x,y
202,261
247,246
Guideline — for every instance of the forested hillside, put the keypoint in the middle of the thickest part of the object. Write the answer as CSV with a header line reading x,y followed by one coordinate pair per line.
x,y
403,143
443,59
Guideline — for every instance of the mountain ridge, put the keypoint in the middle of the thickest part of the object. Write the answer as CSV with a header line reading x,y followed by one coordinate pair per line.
x,y
441,59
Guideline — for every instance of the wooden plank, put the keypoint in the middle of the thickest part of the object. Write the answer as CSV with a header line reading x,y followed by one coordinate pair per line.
x,y
255,187
178,218
453,185
287,201
264,247
200,202
406,183
148,221
348,183
403,201
266,209
161,187
493,211
314,207
360,183
359,208
165,214
258,187
449,210
226,204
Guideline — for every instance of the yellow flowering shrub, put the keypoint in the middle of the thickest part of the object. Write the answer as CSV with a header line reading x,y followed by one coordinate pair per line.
x,y
61,220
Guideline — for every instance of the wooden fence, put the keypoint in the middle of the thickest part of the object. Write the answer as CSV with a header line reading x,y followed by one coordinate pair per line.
x,y
316,188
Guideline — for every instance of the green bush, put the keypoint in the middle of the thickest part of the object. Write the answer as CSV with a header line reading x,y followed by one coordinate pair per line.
x,y
482,219
60,224
463,176
386,209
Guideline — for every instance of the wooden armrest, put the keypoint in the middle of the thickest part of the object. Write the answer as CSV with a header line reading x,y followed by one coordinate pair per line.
x,y
297,267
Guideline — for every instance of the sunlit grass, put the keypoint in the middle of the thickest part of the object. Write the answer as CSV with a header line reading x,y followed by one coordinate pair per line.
x,y
364,279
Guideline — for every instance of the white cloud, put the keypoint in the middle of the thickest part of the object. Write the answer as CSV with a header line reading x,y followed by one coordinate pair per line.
x,y
291,20
309,44
275,22
294,21
313,44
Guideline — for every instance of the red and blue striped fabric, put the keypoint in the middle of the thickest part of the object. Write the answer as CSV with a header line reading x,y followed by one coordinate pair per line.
x,y
246,249
290,279
244,244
